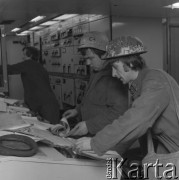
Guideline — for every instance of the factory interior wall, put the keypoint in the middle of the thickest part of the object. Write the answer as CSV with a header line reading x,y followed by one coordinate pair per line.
x,y
101,25
14,55
149,30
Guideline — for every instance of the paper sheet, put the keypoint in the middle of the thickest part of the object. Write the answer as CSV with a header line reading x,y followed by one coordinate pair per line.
x,y
45,136
93,155
11,121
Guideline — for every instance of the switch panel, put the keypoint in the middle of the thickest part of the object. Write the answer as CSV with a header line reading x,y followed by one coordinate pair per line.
x,y
80,88
67,59
66,42
54,36
62,58
56,52
66,33
56,85
68,91
80,29
52,60
81,70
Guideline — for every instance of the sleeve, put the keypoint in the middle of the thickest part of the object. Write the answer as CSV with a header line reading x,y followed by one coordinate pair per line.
x,y
135,121
16,68
116,105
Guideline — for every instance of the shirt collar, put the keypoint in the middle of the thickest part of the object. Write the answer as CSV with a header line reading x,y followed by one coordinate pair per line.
x,y
135,86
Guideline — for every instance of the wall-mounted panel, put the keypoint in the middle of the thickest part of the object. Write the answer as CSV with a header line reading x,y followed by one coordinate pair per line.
x,y
61,56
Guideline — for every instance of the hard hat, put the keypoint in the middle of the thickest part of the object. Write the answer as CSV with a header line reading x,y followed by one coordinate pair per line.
x,y
17,145
124,46
93,39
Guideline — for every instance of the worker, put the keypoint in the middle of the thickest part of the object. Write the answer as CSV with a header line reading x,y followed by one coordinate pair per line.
x,y
105,98
153,95
38,95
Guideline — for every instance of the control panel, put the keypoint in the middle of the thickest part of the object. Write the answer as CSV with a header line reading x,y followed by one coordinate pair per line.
x,y
80,87
67,68
56,85
68,91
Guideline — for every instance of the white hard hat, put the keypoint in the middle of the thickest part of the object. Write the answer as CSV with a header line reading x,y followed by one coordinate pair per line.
x,y
97,40
124,46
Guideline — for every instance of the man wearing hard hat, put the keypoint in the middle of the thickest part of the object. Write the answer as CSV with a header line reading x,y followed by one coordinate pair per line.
x,y
155,99
105,97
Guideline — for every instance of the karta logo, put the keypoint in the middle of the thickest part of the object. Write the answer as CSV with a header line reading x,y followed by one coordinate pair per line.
x,y
134,170
114,168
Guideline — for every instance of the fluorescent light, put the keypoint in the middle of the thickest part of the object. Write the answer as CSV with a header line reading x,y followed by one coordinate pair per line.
x,y
118,24
21,34
175,5
65,16
15,29
36,28
24,33
38,18
48,23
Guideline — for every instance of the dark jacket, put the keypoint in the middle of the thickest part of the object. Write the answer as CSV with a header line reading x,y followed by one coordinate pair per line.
x,y
153,107
37,91
105,99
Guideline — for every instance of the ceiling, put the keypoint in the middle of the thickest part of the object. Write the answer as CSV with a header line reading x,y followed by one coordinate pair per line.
x,y
14,13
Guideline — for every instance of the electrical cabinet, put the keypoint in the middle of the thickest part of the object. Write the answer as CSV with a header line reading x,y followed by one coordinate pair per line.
x,y
51,52
80,87
67,59
68,91
68,71
56,85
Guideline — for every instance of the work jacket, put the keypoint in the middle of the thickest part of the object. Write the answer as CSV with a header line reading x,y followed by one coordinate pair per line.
x,y
37,91
105,99
153,107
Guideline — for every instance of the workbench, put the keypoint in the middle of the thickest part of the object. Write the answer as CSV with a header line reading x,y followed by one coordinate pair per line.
x,y
49,164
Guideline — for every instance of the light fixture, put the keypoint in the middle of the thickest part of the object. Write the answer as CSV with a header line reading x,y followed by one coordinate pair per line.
x,y
15,29
36,28
21,34
173,6
64,17
38,18
24,33
48,23
39,23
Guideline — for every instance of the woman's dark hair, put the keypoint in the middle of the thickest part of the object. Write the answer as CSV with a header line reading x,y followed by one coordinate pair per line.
x,y
135,62
98,52
32,52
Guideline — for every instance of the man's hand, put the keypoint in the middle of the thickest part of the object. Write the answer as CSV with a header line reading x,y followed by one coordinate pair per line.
x,y
70,113
83,144
79,130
